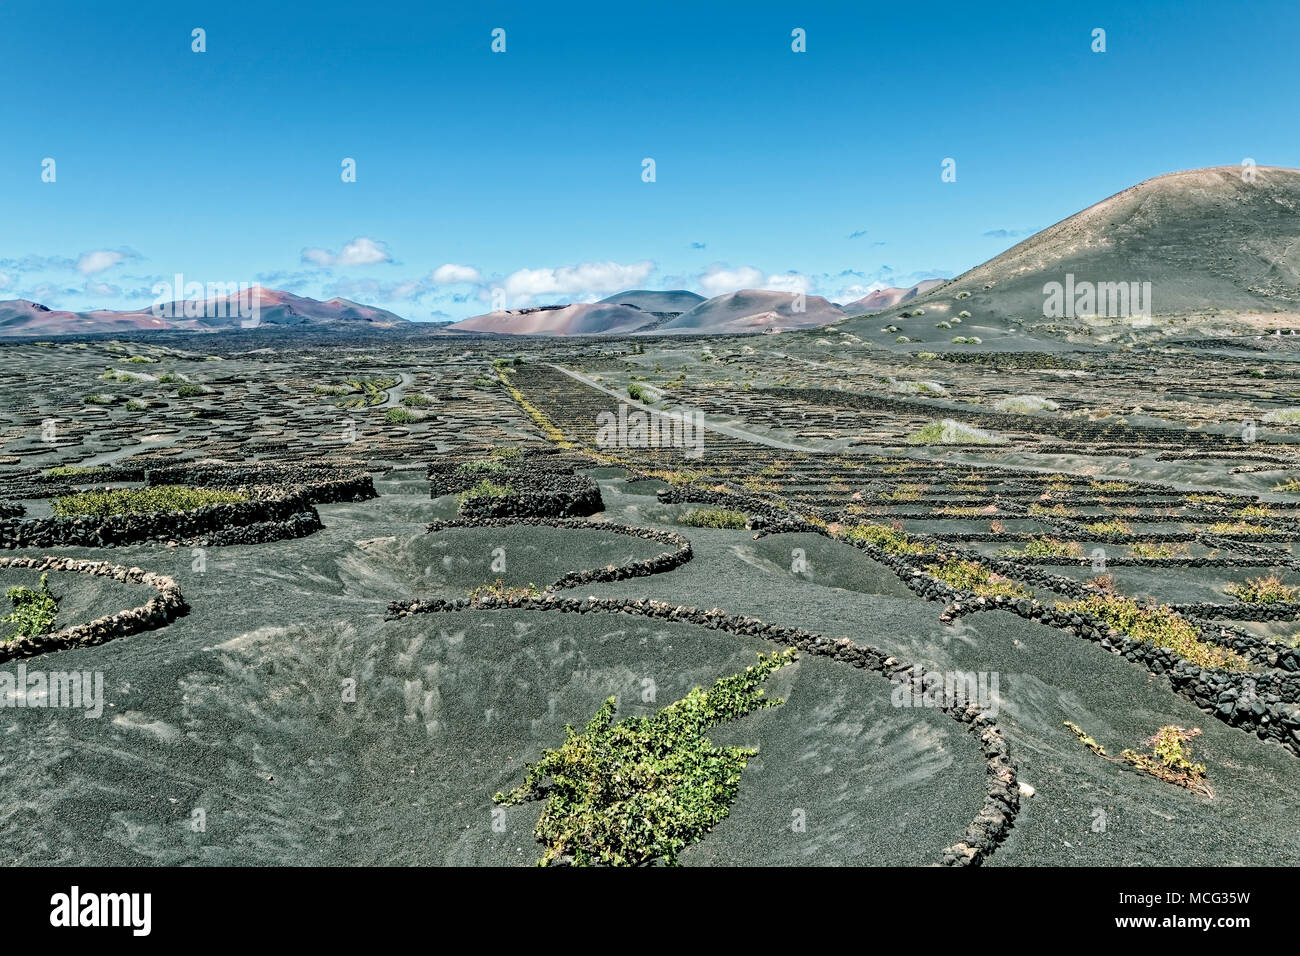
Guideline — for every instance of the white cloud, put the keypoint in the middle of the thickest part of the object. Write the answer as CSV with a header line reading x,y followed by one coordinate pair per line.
x,y
103,290
587,278
791,282
4,281
851,293
91,262
451,274
401,290
361,251
718,279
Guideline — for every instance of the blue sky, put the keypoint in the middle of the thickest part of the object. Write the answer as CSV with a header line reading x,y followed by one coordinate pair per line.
x,y
523,170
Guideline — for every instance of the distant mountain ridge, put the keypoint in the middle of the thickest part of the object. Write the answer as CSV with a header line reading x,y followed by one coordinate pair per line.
x,y
746,310
256,307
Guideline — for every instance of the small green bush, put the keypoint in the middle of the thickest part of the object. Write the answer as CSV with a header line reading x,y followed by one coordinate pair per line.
x,y
1045,548
715,518
644,788
33,612
401,416
973,576
488,489
950,432
1160,626
1263,590
481,466
149,500
74,471
888,539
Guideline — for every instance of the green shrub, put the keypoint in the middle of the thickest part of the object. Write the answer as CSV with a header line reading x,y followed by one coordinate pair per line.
x,y
888,539
488,489
644,788
1241,527
149,500
1160,626
1283,416
1045,548
97,399
1150,550
33,612
973,576
1263,590
715,518
400,416
417,401
189,391
74,471
1058,510
1170,759
950,432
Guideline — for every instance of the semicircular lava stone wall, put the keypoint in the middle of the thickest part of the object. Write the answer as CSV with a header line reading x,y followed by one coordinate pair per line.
x,y
281,506
155,613
540,487
1264,702
1002,798
658,564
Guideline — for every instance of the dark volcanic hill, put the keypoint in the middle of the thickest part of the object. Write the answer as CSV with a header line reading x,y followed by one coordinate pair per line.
x,y
1220,253
280,309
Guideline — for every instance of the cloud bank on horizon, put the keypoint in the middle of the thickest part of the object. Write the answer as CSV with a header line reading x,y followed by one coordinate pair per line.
x,y
455,283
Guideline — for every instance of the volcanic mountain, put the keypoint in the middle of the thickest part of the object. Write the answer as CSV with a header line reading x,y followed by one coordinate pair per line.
x,y
272,308
754,310
1220,248
890,295
582,318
